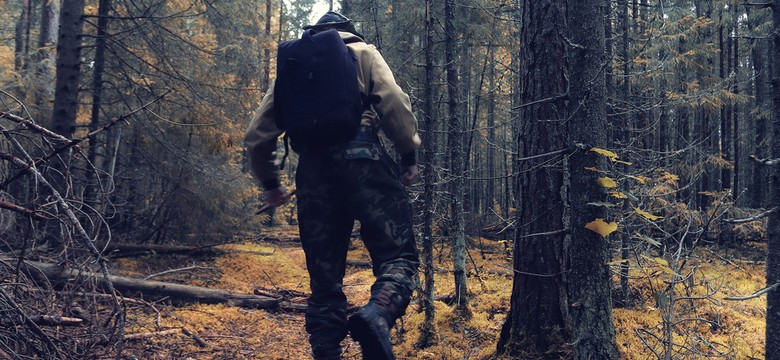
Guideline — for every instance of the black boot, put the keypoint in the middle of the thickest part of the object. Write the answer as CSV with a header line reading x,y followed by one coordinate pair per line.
x,y
326,353
370,326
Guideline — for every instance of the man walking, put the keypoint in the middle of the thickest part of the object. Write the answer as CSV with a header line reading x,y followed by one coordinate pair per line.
x,y
341,181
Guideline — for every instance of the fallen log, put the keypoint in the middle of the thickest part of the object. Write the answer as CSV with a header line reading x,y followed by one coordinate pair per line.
x,y
119,250
157,289
44,320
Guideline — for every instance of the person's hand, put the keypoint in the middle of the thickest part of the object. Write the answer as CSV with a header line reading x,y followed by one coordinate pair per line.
x,y
277,197
409,174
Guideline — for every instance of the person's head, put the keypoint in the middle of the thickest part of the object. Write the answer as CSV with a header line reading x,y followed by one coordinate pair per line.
x,y
334,20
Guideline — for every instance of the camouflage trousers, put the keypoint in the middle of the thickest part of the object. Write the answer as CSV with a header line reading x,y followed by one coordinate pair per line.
x,y
356,181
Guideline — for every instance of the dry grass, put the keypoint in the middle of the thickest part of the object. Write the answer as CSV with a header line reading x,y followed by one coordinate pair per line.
x,y
234,333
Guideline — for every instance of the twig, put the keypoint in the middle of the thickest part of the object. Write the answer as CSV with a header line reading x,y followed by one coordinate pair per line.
x,y
170,271
755,294
31,213
533,274
69,142
763,5
549,233
551,153
551,98
196,338
31,324
767,162
752,218
141,336
33,126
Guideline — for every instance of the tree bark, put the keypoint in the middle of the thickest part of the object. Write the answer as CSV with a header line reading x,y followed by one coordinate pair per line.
x,y
96,152
68,68
624,137
773,229
45,55
538,320
457,160
428,330
590,305
735,131
760,148
22,37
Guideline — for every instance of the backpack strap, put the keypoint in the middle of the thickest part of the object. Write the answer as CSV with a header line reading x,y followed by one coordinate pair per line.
x,y
286,150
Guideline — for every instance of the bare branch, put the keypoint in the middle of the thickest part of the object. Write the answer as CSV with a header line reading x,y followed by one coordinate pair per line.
x,y
45,320
548,233
764,5
752,218
767,162
755,294
551,98
31,213
170,271
33,126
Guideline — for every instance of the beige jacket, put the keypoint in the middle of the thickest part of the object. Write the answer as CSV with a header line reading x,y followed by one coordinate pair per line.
x,y
391,111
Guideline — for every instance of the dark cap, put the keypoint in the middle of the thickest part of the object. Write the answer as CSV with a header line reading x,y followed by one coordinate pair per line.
x,y
331,18
336,21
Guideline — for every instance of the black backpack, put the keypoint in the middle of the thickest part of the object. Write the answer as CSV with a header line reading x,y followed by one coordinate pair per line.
x,y
316,95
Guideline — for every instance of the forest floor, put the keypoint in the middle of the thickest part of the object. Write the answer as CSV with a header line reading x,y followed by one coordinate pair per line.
x,y
704,322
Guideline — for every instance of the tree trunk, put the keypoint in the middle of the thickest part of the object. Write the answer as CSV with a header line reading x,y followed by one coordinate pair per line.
x,y
760,149
773,229
45,55
428,329
68,68
266,79
593,333
625,138
490,190
96,144
457,160
725,121
735,132
538,319
22,37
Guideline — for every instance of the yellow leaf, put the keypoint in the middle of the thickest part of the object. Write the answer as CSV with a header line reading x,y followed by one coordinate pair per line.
x,y
641,179
612,156
661,261
647,215
389,9
606,182
591,168
601,227
657,260
618,194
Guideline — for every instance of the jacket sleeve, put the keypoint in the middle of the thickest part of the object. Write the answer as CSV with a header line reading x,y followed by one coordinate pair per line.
x,y
261,140
396,118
